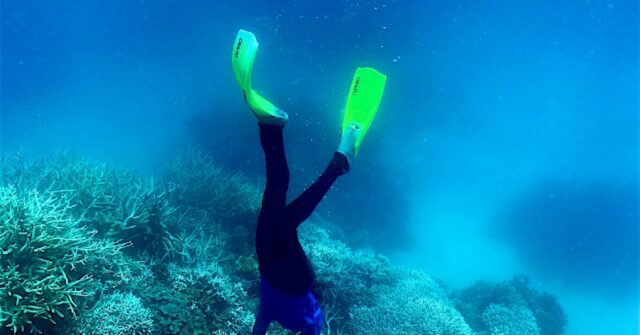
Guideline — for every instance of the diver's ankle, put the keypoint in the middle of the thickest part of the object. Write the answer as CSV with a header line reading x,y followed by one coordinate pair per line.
x,y
341,162
270,125
279,118
346,153
347,145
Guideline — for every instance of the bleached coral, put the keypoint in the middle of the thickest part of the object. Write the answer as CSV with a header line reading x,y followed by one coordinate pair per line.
x,y
43,254
194,180
208,289
345,275
66,222
510,320
117,314
416,305
474,301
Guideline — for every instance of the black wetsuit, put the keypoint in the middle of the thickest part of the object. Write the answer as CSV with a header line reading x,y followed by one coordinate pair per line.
x,y
280,256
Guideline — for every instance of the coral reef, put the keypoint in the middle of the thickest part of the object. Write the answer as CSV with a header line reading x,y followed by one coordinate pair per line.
x,y
414,305
42,249
194,181
345,276
216,295
117,314
50,265
89,249
504,320
508,300
116,204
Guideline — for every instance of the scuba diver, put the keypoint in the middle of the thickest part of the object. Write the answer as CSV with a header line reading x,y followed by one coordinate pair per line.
x,y
287,280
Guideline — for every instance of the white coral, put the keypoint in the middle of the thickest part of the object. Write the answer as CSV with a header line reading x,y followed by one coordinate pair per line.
x,y
510,320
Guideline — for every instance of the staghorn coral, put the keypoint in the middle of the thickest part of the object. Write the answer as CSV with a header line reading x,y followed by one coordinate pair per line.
x,y
117,205
194,246
145,218
132,214
49,237
117,314
44,254
172,313
90,189
208,289
16,171
111,268
194,181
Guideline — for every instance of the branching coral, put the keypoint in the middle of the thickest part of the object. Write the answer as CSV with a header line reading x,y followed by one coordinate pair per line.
x,y
51,264
344,275
125,213
172,312
416,305
195,181
550,317
117,205
117,314
43,253
472,301
208,289
110,268
197,246
16,171
515,294
66,224
145,218
364,293
90,189
506,320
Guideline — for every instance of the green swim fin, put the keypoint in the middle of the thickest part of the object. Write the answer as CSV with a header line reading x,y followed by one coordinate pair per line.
x,y
243,55
364,98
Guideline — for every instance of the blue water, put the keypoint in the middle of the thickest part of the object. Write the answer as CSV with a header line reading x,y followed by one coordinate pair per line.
x,y
506,142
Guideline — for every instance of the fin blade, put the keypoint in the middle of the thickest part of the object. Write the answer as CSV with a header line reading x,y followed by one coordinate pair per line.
x,y
367,88
243,55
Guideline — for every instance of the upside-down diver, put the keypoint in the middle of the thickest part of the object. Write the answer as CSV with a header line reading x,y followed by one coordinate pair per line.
x,y
287,279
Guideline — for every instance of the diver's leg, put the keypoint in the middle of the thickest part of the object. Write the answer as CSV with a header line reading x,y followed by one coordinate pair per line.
x,y
261,325
275,193
301,208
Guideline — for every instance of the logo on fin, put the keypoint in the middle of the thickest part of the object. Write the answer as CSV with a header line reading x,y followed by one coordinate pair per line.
x,y
355,86
238,46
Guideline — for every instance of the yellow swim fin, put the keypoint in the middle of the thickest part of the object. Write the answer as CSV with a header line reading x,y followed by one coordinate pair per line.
x,y
243,55
364,98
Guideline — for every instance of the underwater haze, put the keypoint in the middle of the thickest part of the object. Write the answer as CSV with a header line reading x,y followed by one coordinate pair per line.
x,y
505,149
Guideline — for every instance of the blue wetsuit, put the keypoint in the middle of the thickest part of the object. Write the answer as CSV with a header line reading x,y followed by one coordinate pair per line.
x,y
287,279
